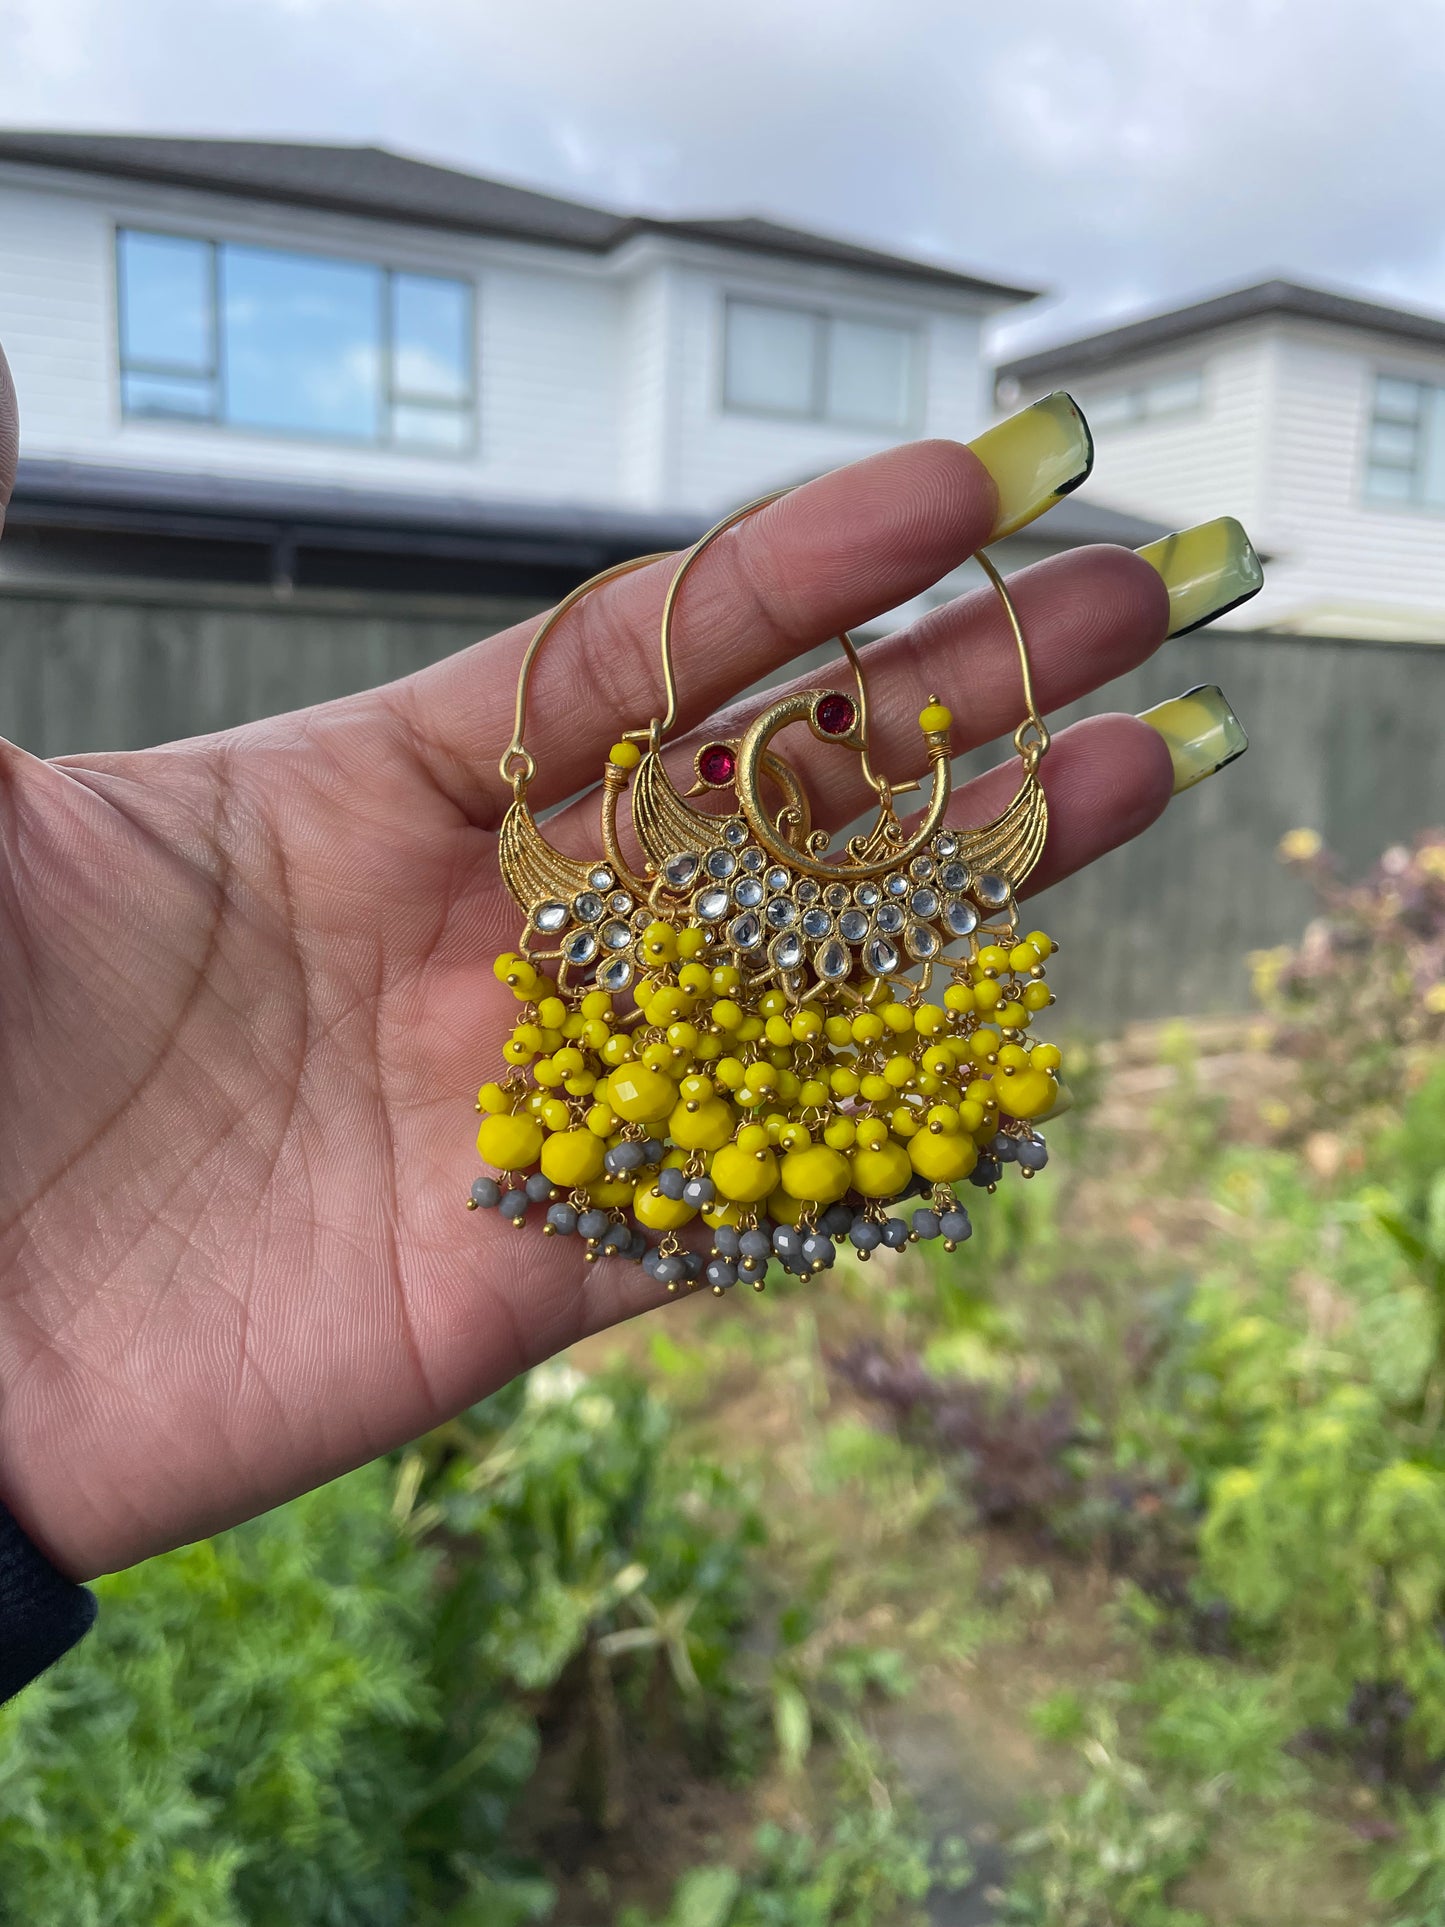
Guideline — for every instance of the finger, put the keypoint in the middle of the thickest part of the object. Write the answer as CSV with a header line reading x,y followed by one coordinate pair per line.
x,y
9,435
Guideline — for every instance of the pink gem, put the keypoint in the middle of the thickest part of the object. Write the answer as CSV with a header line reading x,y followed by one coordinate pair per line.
x,y
716,764
835,715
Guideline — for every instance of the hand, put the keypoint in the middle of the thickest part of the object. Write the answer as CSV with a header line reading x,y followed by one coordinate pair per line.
x,y
246,1001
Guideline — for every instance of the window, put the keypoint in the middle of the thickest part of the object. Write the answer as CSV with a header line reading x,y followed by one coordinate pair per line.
x,y
293,344
1405,456
1147,401
818,367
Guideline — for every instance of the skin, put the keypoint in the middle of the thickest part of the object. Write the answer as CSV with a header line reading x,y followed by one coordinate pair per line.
x,y
247,1003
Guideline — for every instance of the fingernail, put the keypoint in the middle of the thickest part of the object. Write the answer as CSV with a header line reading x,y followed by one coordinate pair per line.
x,y
1035,457
1202,731
1207,570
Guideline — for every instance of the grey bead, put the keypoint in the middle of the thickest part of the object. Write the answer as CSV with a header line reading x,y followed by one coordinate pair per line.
x,y
986,1171
624,1157
787,1242
538,1188
1004,1148
692,1262
638,1247
895,1233
668,1270
616,1238
927,1224
836,1220
699,1191
562,1218
653,1150
514,1205
1033,1154
720,1273
726,1241
818,1250
756,1243
651,1259
752,1269
486,1192
956,1225
671,1183
593,1223
866,1233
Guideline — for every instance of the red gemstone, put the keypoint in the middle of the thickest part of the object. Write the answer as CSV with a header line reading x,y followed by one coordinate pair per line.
x,y
835,715
717,764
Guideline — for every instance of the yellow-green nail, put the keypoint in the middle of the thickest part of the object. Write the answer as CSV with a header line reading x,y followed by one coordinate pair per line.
x,y
1207,570
1035,457
1202,731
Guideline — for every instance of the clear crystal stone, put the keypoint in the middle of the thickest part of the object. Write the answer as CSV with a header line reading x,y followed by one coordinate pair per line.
x,y
751,858
601,878
777,879
580,947
805,891
921,869
880,959
890,918
831,961
853,926
896,885
924,902
712,904
836,896
747,893
720,864
587,907
786,951
615,974
946,845
817,924
960,919
991,891
922,941
781,912
869,895
735,832
679,870
745,932
620,904
551,916
616,936
954,876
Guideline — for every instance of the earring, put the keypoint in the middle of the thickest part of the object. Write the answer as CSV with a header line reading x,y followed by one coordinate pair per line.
x,y
739,1029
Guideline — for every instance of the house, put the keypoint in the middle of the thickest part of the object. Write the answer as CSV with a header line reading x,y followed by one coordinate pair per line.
x,y
327,368
1316,417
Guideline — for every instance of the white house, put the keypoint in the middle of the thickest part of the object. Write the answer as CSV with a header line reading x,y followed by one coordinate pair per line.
x,y
1315,417
336,365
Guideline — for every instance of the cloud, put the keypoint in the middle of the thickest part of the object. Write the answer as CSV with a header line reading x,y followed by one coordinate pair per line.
x,y
1120,152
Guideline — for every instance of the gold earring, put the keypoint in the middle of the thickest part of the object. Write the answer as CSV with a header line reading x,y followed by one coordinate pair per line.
x,y
782,1074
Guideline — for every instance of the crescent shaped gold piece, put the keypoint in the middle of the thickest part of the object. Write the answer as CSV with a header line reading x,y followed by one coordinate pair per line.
x,y
798,708
531,869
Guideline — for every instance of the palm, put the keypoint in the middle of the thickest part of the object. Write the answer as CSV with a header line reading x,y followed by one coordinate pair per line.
x,y
246,1004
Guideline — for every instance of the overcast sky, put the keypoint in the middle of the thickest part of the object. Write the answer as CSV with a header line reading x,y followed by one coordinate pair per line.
x,y
1121,152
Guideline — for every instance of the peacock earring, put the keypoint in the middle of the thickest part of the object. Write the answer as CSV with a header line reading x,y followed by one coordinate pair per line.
x,y
745,1030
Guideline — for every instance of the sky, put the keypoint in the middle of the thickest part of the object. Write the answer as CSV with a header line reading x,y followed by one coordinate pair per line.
x,y
1123,154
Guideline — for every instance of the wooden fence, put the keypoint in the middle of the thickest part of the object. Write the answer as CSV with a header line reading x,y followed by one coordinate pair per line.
x,y
1348,738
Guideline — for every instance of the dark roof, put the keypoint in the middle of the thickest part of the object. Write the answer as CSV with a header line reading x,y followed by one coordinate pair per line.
x,y
373,181
1263,299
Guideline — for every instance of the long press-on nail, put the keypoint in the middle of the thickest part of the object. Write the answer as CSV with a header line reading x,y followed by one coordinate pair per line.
x,y
1035,457
1202,732
1207,570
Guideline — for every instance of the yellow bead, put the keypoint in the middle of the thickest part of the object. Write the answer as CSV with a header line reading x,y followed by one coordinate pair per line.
x,y
571,1158
1040,943
927,1084
509,1143
1037,997
745,1176
772,1003
778,1031
868,1027
601,1120
934,717
959,997
818,1175
1025,1093
729,1072
839,1133
899,1071
762,1077
709,1048
682,1036
695,978
617,1049
534,1102
983,1046
992,959
813,1094
726,1014
641,1095
492,1097
791,1135
1013,1057
610,1191
726,978
516,1052
554,1114
596,1003
881,1173
691,942
547,1073
897,1018
1023,958
594,1034
705,1129
876,1089
752,1137
872,1133
1046,1057
942,1117
1012,1016
658,1213
659,942
657,1056
987,997
903,1122
625,755
938,1062
973,1117
838,1030
943,1157
807,1023
929,1020
718,1214
783,1209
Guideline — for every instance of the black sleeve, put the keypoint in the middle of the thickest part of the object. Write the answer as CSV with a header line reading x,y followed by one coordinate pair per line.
x,y
42,1614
